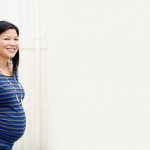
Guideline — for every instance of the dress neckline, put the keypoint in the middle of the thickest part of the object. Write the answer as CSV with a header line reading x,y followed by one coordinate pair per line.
x,y
6,75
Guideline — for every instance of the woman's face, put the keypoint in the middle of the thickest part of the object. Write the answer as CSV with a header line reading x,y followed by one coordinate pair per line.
x,y
9,44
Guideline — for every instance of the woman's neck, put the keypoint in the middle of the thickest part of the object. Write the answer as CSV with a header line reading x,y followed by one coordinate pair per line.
x,y
4,67
3,62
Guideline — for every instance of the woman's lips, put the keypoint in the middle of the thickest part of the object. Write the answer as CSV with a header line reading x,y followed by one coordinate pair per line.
x,y
11,49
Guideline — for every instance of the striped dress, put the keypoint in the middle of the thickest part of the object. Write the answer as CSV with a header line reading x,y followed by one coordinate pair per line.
x,y
12,116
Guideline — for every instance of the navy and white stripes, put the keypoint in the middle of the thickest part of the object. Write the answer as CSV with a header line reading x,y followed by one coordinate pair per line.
x,y
12,115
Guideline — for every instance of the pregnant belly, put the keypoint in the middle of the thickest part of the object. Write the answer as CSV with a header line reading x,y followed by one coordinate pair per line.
x,y
12,125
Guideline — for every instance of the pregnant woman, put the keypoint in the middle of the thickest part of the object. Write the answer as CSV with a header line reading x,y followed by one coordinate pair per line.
x,y
12,116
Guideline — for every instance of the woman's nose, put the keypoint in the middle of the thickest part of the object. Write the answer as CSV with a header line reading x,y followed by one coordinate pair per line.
x,y
12,42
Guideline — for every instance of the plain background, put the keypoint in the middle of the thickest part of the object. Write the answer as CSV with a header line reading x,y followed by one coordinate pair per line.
x,y
99,75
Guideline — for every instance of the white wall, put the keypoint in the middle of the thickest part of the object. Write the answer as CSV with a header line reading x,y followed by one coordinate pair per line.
x,y
99,62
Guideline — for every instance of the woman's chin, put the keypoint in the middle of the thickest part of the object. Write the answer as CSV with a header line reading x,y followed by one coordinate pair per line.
x,y
11,56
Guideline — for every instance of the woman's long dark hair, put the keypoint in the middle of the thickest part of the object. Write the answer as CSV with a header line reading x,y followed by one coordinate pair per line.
x,y
4,25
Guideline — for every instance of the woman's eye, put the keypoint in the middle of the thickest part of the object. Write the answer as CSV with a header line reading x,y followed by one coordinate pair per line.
x,y
16,39
6,39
